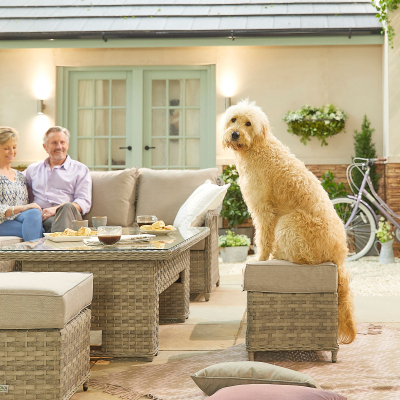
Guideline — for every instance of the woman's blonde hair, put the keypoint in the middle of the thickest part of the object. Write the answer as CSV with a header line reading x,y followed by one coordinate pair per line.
x,y
7,133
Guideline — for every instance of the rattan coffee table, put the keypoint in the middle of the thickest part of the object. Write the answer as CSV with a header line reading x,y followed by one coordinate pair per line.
x,y
135,285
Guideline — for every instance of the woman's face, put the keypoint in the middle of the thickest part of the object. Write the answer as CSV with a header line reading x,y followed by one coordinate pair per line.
x,y
8,151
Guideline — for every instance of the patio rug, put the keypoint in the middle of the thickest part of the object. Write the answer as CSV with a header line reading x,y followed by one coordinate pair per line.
x,y
367,369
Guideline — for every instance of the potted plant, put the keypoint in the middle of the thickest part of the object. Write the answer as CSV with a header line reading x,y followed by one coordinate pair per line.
x,y
322,122
234,248
234,209
385,237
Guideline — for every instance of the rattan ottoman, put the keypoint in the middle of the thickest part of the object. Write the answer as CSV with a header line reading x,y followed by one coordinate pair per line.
x,y
291,307
44,334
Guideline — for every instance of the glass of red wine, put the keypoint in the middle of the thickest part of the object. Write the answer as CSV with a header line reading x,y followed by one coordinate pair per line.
x,y
109,235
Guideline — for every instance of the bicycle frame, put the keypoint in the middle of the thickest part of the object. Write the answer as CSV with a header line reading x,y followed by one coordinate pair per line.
x,y
375,200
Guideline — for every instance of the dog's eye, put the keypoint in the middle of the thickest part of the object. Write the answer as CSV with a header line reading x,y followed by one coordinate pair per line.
x,y
248,123
233,119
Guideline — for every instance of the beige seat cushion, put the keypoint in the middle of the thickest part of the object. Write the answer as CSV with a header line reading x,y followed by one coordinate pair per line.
x,y
199,245
9,240
42,300
113,196
163,192
278,276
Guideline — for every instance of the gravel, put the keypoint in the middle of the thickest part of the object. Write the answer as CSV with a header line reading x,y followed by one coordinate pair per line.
x,y
370,278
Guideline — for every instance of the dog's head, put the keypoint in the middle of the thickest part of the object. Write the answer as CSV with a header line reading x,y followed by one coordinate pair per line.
x,y
245,127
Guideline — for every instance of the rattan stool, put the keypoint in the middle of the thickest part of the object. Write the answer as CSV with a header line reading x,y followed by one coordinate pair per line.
x,y
291,307
44,334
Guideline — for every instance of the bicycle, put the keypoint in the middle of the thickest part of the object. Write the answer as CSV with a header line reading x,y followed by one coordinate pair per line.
x,y
360,221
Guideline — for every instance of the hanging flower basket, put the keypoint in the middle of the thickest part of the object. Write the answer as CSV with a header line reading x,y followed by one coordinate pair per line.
x,y
321,123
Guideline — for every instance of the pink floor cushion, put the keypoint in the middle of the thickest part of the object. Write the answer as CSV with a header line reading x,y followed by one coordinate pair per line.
x,y
274,392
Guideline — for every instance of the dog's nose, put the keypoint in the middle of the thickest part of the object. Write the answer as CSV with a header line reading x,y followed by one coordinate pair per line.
x,y
235,135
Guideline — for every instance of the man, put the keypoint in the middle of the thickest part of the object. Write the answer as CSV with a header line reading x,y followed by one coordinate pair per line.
x,y
60,185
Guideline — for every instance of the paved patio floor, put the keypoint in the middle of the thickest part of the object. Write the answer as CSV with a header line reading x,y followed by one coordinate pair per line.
x,y
220,323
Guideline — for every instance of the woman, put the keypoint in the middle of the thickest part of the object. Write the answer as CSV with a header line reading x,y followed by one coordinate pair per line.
x,y
17,217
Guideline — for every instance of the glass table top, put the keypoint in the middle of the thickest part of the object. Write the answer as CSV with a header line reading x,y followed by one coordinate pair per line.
x,y
165,242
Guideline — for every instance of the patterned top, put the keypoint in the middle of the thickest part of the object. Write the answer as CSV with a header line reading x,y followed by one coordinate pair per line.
x,y
12,193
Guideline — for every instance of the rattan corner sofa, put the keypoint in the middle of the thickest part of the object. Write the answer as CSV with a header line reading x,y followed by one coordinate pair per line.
x,y
121,195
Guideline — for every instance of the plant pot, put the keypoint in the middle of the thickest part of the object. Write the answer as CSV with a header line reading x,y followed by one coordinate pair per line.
x,y
386,255
234,254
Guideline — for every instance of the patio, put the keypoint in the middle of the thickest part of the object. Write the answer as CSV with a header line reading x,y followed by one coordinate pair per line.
x,y
221,323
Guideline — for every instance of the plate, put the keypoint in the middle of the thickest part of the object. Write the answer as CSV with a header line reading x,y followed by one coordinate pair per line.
x,y
158,233
126,239
66,238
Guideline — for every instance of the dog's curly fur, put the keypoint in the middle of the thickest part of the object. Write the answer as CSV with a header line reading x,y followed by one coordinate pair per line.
x,y
292,214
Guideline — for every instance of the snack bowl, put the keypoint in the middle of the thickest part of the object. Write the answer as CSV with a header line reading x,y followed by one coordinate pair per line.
x,y
158,233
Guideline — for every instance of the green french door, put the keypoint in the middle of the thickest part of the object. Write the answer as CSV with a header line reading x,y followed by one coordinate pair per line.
x,y
175,120
154,117
100,104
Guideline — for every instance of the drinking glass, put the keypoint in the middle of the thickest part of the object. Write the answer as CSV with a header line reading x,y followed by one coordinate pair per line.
x,y
146,220
99,221
76,224
109,235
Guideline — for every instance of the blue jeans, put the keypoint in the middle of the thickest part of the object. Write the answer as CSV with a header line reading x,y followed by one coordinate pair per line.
x,y
27,225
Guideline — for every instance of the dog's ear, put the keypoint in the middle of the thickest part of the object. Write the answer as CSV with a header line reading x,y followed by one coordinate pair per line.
x,y
260,138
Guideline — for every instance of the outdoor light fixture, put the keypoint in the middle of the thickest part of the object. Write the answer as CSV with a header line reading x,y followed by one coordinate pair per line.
x,y
40,106
228,102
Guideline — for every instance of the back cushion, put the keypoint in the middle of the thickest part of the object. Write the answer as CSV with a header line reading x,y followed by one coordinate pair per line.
x,y
113,196
162,192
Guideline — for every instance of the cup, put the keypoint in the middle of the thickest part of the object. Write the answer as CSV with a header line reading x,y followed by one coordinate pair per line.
x,y
109,235
76,224
146,220
99,221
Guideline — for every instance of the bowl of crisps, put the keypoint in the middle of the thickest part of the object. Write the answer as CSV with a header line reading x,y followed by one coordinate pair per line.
x,y
158,228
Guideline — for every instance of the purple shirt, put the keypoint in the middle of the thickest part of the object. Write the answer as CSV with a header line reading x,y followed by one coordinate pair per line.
x,y
66,183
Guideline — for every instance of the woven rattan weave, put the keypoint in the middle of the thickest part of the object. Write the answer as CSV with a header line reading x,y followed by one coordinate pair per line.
x,y
126,291
204,267
49,364
292,321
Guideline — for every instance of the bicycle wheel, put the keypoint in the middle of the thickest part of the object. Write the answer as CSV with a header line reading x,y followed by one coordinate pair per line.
x,y
361,231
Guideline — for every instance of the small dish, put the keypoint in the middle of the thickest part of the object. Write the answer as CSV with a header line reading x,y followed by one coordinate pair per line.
x,y
159,233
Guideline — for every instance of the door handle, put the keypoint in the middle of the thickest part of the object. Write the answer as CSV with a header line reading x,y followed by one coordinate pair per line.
x,y
129,148
148,147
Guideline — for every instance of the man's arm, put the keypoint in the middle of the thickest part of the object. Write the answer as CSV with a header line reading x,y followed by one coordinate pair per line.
x,y
83,191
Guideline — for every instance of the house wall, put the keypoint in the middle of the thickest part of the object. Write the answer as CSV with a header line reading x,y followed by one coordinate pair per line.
x,y
279,78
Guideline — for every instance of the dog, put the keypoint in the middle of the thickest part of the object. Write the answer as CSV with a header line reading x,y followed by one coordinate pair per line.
x,y
293,216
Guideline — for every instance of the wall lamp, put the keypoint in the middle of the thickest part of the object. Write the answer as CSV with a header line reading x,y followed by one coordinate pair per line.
x,y
40,106
228,102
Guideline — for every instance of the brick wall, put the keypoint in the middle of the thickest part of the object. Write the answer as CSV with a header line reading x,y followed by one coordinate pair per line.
x,y
389,186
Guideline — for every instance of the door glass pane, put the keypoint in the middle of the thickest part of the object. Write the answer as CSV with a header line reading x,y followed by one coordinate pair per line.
x,y
101,127
158,155
175,122
119,93
192,98
117,154
85,93
85,151
158,122
192,123
175,152
101,151
158,91
192,155
175,92
85,123
102,88
118,122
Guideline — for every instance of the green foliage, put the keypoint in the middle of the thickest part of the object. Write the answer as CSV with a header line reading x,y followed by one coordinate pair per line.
x,y
232,240
384,7
234,209
322,122
364,148
384,231
334,190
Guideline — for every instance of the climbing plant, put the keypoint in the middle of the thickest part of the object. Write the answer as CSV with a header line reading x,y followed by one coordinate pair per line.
x,y
384,7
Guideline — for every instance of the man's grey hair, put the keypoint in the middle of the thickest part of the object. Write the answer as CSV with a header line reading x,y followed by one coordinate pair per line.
x,y
55,129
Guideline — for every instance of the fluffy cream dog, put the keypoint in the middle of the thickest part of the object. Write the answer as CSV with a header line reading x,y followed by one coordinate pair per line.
x,y
292,214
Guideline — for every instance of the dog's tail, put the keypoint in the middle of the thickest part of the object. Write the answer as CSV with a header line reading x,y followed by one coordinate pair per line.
x,y
347,321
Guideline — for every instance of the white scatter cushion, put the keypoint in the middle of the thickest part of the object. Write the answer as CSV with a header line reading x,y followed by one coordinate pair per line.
x,y
205,198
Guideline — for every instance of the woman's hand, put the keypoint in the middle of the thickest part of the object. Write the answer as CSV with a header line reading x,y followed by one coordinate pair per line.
x,y
20,209
29,206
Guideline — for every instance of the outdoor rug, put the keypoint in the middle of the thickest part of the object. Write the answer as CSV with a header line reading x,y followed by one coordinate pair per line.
x,y
367,369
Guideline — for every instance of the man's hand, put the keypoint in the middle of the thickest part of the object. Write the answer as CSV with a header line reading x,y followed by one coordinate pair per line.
x,y
48,212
